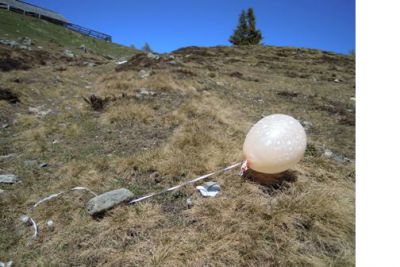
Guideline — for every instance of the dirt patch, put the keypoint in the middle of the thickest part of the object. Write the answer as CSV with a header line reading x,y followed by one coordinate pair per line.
x,y
17,59
236,74
287,94
185,73
195,54
142,60
194,51
9,96
343,111
239,75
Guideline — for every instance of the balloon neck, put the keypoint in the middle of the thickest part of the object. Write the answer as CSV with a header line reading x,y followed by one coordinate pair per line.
x,y
244,168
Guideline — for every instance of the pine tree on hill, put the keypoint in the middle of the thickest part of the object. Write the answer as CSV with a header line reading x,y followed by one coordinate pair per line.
x,y
246,32
254,35
240,35
146,48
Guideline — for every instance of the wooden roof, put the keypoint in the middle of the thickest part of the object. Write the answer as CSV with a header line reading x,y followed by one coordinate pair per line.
x,y
34,9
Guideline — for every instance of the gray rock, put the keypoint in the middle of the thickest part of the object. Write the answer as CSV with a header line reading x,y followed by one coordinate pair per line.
x,y
144,74
7,264
172,62
189,202
26,41
24,47
109,57
8,42
83,48
145,92
8,178
336,156
1,191
39,111
307,125
68,53
328,153
108,200
7,156
25,220
153,56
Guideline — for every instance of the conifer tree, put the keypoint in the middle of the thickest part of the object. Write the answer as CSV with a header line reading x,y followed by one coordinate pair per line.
x,y
254,35
239,37
146,48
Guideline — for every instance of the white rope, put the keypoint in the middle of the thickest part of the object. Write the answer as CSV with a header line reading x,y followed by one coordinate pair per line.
x,y
34,224
185,183
60,193
35,228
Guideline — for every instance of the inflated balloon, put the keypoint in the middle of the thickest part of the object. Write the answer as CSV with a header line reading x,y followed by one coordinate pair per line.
x,y
275,144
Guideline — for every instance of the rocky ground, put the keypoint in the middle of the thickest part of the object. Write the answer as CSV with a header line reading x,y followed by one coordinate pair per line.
x,y
158,120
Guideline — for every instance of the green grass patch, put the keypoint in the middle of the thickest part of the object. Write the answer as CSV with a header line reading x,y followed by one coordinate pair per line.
x,y
45,34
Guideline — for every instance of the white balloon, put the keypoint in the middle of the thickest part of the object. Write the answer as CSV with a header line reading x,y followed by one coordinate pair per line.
x,y
274,144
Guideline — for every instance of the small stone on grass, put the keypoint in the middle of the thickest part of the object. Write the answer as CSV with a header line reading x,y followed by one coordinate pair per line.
x,y
8,178
108,200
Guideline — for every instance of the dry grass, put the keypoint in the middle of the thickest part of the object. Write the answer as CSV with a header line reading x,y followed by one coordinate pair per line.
x,y
191,125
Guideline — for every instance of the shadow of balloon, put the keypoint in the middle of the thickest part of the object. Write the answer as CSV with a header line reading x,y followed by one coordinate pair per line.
x,y
271,182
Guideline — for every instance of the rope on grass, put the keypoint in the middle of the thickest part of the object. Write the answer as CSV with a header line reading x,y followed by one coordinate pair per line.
x,y
61,193
28,219
185,183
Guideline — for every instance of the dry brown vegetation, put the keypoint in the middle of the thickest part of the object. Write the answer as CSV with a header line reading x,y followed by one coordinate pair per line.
x,y
185,120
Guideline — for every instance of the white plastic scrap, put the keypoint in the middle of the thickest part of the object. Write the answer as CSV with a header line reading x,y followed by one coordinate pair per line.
x,y
209,189
189,202
50,224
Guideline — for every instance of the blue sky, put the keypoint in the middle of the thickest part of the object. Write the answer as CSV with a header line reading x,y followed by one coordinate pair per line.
x,y
170,24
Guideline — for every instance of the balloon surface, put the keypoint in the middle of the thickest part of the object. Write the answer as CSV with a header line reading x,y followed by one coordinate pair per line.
x,y
274,144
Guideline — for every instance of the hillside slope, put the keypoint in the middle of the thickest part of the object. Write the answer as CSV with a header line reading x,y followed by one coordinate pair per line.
x,y
166,120
51,36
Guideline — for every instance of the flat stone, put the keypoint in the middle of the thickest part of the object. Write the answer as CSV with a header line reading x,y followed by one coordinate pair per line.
x,y
8,178
108,200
